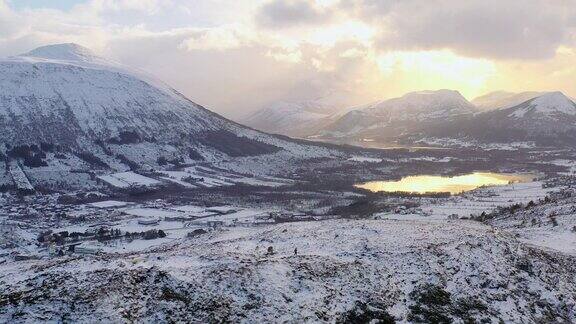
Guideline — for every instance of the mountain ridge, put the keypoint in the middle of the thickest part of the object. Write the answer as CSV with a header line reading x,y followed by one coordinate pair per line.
x,y
503,99
66,109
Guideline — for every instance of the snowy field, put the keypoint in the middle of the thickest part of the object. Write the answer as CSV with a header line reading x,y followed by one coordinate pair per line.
x,y
340,267
128,179
480,200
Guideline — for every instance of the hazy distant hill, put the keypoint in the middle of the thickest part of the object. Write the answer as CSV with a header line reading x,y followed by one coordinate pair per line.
x,y
393,117
503,99
549,119
544,118
299,118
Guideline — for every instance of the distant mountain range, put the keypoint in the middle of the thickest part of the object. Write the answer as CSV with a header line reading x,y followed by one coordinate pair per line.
x,y
299,118
401,115
545,118
549,119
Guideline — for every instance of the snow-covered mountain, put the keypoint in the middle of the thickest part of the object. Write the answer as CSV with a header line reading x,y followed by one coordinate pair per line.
x,y
407,113
435,117
83,98
64,108
298,118
550,113
551,106
549,119
503,99
422,105
289,118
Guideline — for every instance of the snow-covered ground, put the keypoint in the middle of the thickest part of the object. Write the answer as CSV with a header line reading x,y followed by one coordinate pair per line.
x,y
128,179
487,199
357,158
550,223
411,271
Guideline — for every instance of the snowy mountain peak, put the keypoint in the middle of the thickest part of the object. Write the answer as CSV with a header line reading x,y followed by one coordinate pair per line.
x,y
503,99
549,105
398,115
441,92
424,104
63,52
97,115
556,100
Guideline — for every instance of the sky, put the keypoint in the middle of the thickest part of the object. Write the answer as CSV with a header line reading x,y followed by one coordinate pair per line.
x,y
238,56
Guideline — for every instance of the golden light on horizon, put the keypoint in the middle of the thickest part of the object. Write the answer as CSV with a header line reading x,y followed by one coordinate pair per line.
x,y
453,185
425,70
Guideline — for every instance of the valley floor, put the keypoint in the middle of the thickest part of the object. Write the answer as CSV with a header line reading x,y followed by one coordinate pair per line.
x,y
299,247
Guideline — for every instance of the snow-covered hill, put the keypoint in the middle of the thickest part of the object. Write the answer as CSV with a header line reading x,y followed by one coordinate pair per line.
x,y
66,109
553,106
549,223
547,120
346,271
502,99
298,118
399,115
290,118
422,106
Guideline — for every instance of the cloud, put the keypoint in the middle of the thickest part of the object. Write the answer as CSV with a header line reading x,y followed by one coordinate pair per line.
x,y
220,39
146,6
511,29
279,14
237,80
9,22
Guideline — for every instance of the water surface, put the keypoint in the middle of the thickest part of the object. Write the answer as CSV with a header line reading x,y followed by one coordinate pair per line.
x,y
454,185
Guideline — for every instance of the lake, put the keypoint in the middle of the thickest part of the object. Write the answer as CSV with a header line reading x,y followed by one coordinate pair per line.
x,y
454,185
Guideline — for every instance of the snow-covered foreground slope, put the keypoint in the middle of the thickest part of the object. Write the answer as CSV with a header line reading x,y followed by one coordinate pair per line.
x,y
344,271
549,223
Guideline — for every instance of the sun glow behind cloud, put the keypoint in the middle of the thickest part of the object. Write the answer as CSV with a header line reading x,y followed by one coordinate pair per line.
x,y
350,30
438,69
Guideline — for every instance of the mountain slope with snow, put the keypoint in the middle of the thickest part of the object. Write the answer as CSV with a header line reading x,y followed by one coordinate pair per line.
x,y
290,118
422,105
396,116
549,119
435,117
63,107
502,99
554,106
299,118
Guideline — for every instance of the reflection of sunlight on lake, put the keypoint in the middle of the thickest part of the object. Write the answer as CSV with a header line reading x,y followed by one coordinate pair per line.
x,y
454,185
